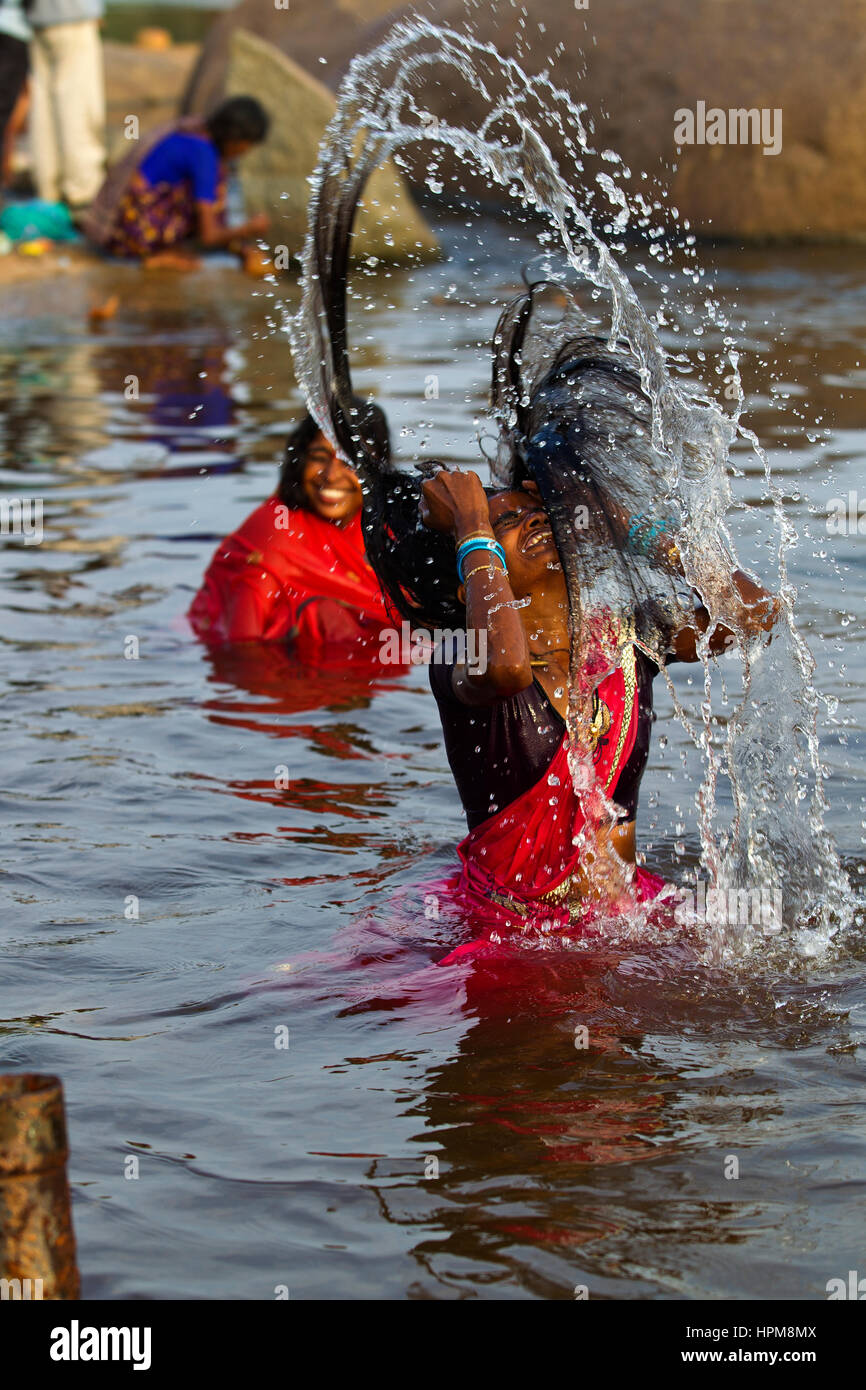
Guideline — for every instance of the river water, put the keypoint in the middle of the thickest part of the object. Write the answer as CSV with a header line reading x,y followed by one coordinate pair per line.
x,y
271,1085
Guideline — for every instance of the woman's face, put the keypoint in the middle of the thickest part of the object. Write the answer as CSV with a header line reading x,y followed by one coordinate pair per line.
x,y
522,528
330,487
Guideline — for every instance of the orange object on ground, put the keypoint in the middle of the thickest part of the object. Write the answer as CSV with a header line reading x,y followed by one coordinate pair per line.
x,y
36,246
100,313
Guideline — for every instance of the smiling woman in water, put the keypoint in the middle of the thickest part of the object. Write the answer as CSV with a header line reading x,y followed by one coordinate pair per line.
x,y
296,569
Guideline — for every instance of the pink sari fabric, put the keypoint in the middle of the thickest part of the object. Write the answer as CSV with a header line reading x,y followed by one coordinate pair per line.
x,y
498,927
516,866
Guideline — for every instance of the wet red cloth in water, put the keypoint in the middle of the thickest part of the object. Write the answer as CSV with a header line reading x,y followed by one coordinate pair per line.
x,y
513,862
288,574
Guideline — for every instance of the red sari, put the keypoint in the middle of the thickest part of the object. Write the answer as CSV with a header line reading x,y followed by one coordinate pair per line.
x,y
286,574
519,865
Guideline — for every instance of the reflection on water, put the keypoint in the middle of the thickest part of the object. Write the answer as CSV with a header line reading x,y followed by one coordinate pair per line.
x,y
428,1132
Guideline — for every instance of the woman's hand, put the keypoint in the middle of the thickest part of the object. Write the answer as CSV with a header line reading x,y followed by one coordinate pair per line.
x,y
758,612
454,501
255,262
213,232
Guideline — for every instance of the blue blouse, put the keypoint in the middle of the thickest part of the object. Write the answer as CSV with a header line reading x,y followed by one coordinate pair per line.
x,y
184,158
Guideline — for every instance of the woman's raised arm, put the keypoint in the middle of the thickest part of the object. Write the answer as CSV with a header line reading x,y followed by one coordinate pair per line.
x,y
756,611
456,502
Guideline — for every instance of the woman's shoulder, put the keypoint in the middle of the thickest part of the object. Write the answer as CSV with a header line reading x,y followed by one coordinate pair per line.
x,y
275,520
186,139
183,147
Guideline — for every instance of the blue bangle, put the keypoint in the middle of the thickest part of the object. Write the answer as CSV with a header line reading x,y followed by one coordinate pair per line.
x,y
478,543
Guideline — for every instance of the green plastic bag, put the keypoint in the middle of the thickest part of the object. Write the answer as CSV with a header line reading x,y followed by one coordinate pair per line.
x,y
27,221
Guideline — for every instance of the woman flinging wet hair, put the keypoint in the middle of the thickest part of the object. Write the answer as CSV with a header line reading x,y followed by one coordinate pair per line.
x,y
578,587
547,754
296,569
569,571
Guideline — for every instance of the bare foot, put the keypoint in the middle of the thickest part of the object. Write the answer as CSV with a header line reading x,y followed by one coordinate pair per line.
x,y
255,262
170,260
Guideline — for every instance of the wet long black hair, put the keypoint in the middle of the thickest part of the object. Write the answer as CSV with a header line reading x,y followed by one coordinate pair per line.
x,y
415,566
238,118
576,419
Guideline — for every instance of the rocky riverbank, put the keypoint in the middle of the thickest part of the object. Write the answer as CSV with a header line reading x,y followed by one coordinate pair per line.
x,y
640,68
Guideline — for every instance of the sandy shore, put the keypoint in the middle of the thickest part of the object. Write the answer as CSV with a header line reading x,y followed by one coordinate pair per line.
x,y
75,283
60,262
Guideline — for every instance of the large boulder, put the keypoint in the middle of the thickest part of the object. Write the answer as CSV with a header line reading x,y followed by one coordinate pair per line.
x,y
305,30
274,175
144,82
636,63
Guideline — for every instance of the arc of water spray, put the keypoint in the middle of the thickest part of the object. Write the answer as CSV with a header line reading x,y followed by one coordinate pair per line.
x,y
378,116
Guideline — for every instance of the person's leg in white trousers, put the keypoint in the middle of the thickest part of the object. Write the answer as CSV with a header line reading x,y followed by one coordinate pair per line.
x,y
68,113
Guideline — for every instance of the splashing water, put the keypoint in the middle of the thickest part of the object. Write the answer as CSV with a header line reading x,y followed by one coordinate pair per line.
x,y
768,750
